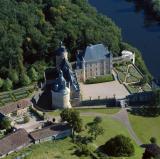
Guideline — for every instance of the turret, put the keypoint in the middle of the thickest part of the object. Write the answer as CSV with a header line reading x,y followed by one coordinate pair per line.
x,y
61,54
60,93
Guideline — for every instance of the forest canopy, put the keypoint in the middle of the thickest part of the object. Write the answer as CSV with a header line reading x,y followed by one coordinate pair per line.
x,y
31,30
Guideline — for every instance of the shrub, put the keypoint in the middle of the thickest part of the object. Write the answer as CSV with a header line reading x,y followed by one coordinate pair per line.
x,y
1,82
98,119
25,80
33,74
7,85
26,119
5,123
119,146
82,149
100,79
153,140
13,75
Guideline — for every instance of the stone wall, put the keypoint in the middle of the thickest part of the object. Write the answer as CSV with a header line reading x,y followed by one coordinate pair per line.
x,y
61,100
94,68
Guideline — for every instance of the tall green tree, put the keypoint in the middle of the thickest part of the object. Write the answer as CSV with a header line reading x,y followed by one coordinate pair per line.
x,y
14,76
72,116
33,74
24,79
94,128
1,82
7,85
5,123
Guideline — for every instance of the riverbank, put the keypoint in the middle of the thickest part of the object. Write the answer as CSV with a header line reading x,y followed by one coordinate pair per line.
x,y
139,29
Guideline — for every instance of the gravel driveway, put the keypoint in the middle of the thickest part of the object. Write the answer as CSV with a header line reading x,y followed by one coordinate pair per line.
x,y
108,89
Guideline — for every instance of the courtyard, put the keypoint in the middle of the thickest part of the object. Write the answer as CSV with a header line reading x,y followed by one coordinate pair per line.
x,y
30,126
103,90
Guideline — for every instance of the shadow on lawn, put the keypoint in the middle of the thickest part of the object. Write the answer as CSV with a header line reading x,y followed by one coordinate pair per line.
x,y
146,112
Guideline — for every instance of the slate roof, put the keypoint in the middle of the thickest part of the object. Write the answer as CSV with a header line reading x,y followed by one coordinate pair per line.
x,y
69,75
14,141
15,106
94,52
1,116
49,131
61,50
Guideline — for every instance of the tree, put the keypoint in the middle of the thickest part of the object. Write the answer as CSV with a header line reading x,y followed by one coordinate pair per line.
x,y
25,80
5,123
82,149
1,82
153,140
7,85
97,120
72,116
119,146
94,128
13,75
33,74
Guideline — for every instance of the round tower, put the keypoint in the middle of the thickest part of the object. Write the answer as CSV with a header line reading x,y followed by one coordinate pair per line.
x,y
61,94
61,54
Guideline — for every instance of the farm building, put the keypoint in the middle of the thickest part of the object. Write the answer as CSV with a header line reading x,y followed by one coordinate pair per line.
x,y
14,142
52,132
18,108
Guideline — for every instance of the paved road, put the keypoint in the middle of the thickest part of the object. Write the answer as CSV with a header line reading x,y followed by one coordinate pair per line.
x,y
121,116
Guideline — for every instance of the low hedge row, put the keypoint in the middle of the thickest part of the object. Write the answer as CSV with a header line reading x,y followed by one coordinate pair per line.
x,y
100,79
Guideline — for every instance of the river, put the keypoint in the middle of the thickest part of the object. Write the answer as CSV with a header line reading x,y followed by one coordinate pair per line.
x,y
138,28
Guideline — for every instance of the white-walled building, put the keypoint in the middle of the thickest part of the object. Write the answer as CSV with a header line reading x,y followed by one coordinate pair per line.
x,y
96,60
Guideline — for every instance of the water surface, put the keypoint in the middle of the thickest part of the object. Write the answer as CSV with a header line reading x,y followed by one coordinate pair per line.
x,y
138,28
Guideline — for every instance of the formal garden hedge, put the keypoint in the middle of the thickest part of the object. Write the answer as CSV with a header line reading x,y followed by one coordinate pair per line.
x,y
100,79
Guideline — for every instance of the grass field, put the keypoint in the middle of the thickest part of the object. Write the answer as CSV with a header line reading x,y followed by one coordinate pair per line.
x,y
94,110
146,127
64,149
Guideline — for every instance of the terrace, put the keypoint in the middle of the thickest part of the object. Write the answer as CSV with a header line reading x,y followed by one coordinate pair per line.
x,y
15,95
130,76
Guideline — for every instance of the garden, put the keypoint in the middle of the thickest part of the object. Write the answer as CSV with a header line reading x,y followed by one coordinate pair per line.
x,y
15,95
131,77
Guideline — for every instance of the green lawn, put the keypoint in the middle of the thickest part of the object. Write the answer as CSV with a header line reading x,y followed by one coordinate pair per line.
x,y
121,75
101,110
94,110
146,127
63,149
113,128
100,79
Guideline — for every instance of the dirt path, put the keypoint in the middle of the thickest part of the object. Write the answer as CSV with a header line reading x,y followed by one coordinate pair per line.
x,y
122,116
